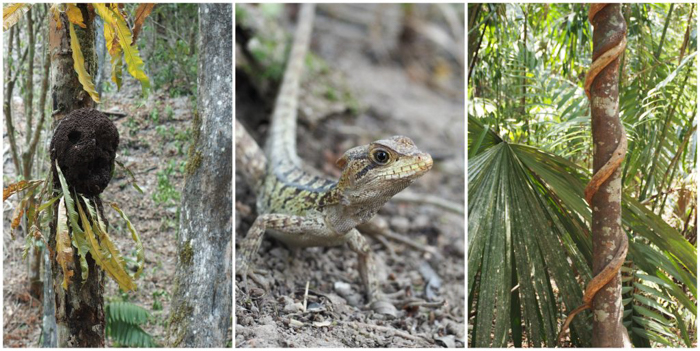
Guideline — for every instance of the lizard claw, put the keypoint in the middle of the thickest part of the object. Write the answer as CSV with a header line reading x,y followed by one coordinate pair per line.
x,y
243,271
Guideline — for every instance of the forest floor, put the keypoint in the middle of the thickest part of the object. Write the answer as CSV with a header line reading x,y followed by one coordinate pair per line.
x,y
154,137
387,99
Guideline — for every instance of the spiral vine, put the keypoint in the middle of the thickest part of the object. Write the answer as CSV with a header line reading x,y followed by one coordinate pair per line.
x,y
610,270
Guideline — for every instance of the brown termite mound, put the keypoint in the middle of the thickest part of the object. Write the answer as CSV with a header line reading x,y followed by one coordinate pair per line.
x,y
85,144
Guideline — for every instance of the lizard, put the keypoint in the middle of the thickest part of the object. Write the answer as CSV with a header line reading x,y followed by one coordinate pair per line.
x,y
302,209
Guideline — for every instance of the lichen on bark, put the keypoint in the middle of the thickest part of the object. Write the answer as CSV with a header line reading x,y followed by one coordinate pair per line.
x,y
204,275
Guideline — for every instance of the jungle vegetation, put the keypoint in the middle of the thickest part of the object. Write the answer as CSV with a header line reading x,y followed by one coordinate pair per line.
x,y
530,153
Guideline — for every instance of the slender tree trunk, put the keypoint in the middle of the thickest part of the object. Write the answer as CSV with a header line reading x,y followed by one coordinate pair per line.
x,y
663,34
608,234
524,80
29,79
201,310
10,80
48,322
474,49
80,309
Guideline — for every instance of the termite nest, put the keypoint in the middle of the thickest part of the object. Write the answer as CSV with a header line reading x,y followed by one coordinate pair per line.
x,y
85,144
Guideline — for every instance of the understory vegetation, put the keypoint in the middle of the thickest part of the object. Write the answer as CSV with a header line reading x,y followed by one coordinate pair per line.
x,y
530,156
155,133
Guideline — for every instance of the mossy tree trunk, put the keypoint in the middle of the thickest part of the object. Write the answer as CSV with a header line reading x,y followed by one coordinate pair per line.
x,y
79,310
201,310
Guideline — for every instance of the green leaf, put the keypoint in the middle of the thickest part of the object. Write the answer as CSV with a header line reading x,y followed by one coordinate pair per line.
x,y
123,324
78,237
522,197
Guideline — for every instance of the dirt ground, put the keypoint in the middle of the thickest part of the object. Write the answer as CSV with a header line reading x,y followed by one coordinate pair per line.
x,y
154,147
391,94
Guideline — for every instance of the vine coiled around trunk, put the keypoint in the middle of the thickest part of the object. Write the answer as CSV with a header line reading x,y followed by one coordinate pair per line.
x,y
610,270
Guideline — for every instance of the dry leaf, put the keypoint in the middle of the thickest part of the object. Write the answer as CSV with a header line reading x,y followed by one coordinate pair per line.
x,y
12,13
141,13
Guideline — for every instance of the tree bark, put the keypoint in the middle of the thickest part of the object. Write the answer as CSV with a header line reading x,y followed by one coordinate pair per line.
x,y
10,80
66,91
609,29
80,315
201,310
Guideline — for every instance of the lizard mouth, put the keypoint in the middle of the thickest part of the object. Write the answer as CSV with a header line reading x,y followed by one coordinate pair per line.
x,y
423,164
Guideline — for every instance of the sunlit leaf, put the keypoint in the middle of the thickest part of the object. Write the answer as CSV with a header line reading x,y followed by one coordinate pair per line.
x,y
79,65
108,263
75,16
115,52
131,55
12,13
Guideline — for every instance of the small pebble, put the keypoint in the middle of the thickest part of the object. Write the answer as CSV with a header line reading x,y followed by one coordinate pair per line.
x,y
293,307
421,221
400,224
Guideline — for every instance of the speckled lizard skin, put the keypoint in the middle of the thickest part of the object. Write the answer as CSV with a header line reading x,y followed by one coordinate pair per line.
x,y
304,210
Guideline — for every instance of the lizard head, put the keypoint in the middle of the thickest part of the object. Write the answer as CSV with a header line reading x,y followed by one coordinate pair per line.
x,y
376,172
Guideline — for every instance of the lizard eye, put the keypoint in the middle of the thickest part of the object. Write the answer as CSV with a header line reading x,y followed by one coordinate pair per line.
x,y
380,156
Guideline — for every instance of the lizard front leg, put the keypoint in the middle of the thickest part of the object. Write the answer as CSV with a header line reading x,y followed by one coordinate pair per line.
x,y
368,274
288,224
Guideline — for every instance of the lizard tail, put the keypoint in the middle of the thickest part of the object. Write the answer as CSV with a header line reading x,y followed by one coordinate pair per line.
x,y
281,141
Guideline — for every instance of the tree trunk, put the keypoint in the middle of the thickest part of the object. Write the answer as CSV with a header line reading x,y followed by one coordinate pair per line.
x,y
80,315
201,310
608,234
48,322
66,92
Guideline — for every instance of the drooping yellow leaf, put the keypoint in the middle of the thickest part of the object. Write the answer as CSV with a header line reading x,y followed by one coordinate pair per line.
x,y
134,62
75,16
140,258
108,264
94,247
111,40
64,250
79,65
141,13
115,53
11,14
